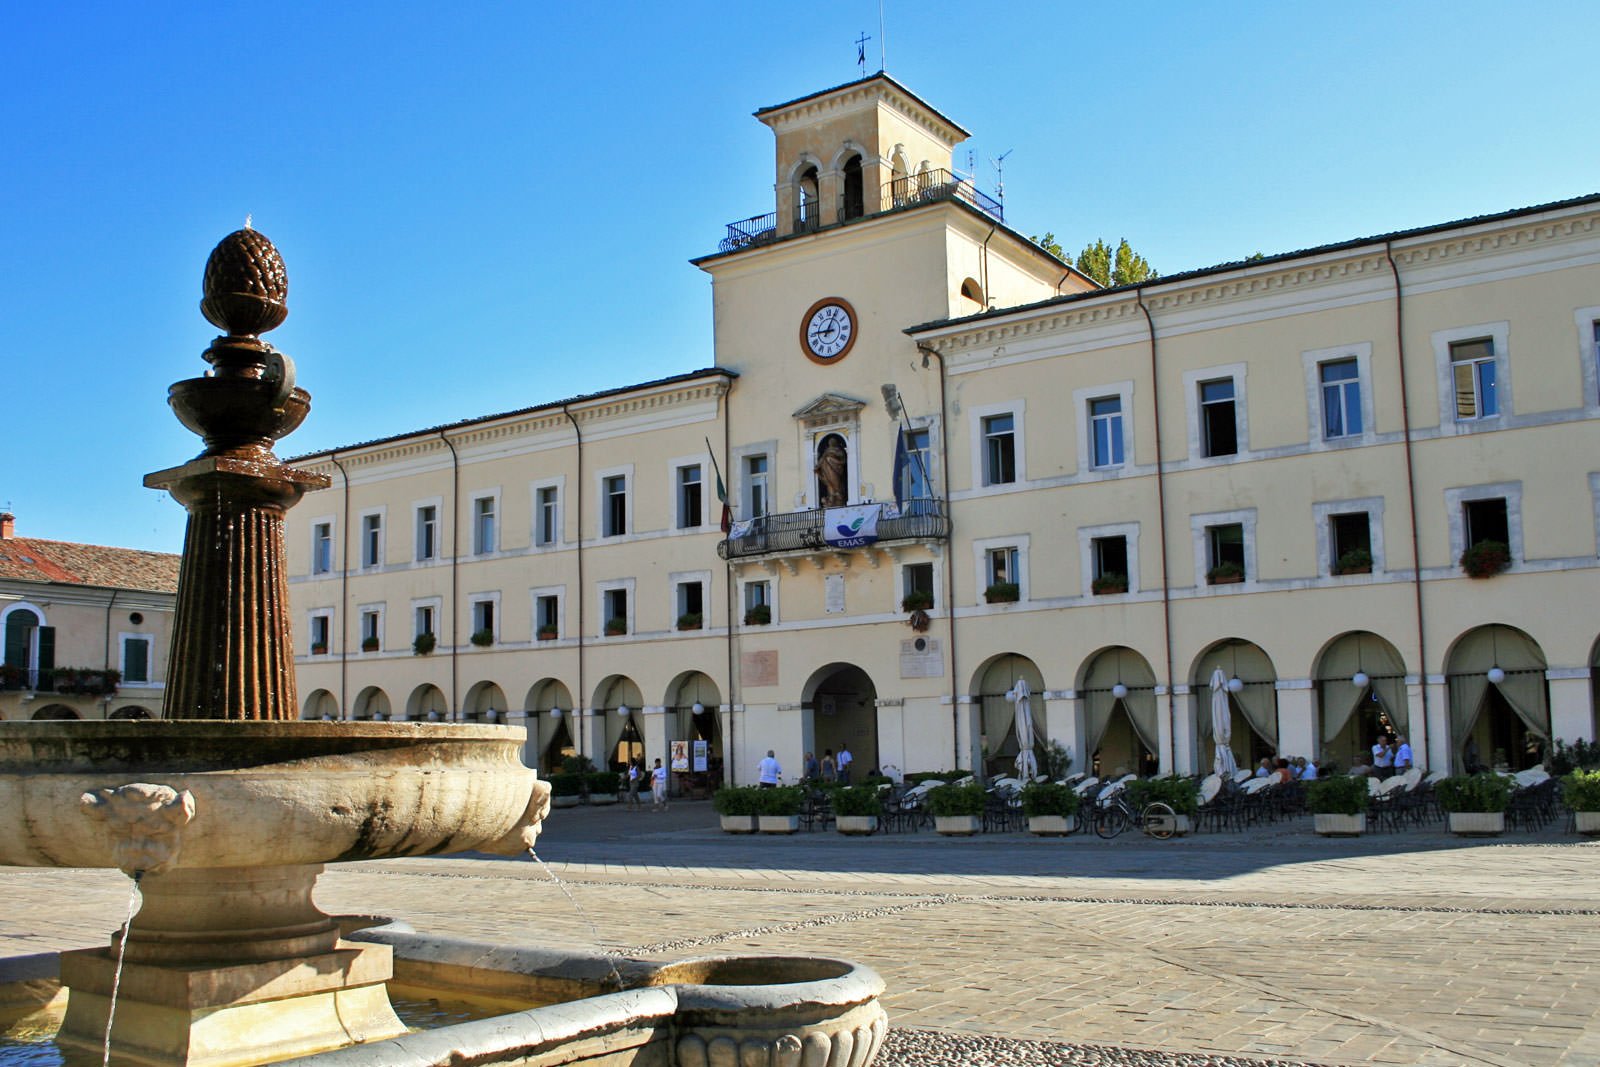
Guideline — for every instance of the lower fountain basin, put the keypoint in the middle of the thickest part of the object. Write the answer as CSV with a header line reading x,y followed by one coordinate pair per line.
x,y
269,792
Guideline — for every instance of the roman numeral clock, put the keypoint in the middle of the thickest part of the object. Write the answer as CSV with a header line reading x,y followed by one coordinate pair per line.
x,y
828,330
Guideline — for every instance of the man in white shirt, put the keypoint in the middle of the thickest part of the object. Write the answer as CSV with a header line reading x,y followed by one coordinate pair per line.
x,y
1382,757
658,787
1402,755
1308,770
768,773
845,759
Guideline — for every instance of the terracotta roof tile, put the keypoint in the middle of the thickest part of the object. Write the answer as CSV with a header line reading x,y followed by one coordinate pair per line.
x,y
31,559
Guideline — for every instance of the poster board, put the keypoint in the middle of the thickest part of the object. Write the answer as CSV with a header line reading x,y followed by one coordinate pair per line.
x,y
680,755
702,756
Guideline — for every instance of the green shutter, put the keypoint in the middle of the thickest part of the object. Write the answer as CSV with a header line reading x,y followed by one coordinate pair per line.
x,y
47,648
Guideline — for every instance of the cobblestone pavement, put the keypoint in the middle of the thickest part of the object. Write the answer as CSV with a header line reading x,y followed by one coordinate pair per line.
x,y
1412,948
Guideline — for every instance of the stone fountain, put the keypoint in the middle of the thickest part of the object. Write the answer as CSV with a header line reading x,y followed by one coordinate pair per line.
x,y
225,811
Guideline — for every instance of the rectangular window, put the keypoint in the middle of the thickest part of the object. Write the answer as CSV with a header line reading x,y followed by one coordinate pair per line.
x,y
319,634
616,604
423,621
1225,553
546,521
547,617
1105,427
483,617
915,484
371,540
1596,352
1111,561
918,583
1350,542
136,660
757,595
755,486
427,533
691,599
1003,566
690,511
369,631
999,450
1486,520
1219,429
616,506
1472,369
322,548
483,531
1341,398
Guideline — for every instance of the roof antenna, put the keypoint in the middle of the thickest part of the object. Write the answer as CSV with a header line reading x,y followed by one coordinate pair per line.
x,y
1000,175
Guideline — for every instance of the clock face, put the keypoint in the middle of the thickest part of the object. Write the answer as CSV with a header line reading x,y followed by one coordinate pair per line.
x,y
828,330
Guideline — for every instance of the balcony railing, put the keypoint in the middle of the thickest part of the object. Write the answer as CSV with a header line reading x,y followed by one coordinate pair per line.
x,y
28,678
801,531
746,233
934,185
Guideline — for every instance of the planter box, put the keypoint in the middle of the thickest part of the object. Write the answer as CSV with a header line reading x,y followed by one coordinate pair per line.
x,y
602,799
856,824
1226,579
738,824
1052,825
778,824
1340,825
565,802
958,825
1588,821
1478,823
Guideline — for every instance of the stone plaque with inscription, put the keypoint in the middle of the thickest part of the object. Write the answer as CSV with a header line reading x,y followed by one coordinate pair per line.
x,y
921,657
759,668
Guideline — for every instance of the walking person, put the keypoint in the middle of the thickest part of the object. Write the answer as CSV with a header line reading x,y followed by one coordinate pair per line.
x,y
830,766
635,781
768,773
844,761
1402,754
813,770
658,787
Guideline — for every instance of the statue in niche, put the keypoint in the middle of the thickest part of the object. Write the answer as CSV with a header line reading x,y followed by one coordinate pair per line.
x,y
833,465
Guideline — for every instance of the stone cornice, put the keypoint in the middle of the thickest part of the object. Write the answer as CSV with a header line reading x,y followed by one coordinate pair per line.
x,y
878,92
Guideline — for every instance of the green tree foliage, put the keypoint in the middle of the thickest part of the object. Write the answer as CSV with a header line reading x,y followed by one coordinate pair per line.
x,y
1106,265
1049,243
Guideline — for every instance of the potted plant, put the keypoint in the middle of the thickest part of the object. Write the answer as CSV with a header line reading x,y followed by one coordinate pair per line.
x,y
369,644
1225,574
1052,809
1177,793
546,633
1486,559
690,620
916,600
1003,593
616,627
423,643
1580,792
602,786
737,806
566,789
856,809
778,809
1109,584
1355,561
482,638
957,809
1338,805
1476,803
319,649
760,615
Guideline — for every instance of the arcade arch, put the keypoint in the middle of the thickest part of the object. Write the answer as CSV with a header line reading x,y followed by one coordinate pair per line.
x,y
618,699
485,702
841,708
1361,695
55,711
549,705
693,690
1499,699
1121,732
131,711
997,715
321,704
1252,697
426,702
372,703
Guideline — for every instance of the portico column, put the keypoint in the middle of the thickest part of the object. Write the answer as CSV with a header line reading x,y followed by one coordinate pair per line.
x,y
1437,730
1571,707
1297,718
1417,728
1064,723
659,729
1182,726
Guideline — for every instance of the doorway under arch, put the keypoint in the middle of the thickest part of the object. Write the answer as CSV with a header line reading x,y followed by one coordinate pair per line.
x,y
52,712
485,703
997,715
321,704
1253,700
131,711
1351,716
427,702
842,705
549,706
624,731
1121,731
693,690
1499,700
371,703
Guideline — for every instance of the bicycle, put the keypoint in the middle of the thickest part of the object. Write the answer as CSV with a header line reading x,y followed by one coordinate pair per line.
x,y
1117,813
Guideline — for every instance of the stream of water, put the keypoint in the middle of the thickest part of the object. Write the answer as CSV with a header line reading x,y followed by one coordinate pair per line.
x,y
599,943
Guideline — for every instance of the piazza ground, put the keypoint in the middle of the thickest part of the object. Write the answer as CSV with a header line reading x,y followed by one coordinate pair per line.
x,y
1393,948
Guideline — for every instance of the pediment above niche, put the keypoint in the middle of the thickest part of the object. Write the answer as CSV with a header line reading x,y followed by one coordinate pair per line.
x,y
830,407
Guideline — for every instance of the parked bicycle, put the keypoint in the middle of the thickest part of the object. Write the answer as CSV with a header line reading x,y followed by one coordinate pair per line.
x,y
1116,813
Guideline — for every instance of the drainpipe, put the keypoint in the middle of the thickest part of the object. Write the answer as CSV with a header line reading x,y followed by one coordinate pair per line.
x,y
582,593
344,595
109,605
735,617
983,268
1161,538
1411,486
949,554
455,563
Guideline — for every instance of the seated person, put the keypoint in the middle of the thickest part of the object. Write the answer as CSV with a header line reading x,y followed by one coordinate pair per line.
x,y
1307,771
1281,774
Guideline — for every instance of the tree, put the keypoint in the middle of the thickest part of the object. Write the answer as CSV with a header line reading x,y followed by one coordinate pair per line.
x,y
1107,266
1049,243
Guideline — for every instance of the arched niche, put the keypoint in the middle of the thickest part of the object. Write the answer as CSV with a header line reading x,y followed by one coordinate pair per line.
x,y
1121,726
1351,716
1499,699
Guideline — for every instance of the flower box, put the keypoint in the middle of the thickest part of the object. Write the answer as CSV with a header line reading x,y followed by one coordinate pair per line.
x,y
1486,559
778,824
760,615
1587,822
1331,825
616,627
602,799
856,824
1052,825
547,633
369,644
738,824
1003,593
566,802
1109,585
958,825
482,638
1477,823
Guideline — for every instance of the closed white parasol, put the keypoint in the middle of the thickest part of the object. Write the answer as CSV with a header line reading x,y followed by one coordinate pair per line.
x,y
1027,763
1222,725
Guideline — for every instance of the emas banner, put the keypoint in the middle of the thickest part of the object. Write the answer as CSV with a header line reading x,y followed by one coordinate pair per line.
x,y
851,527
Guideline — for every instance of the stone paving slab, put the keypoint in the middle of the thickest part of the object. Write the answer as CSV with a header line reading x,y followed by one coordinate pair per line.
x,y
1406,949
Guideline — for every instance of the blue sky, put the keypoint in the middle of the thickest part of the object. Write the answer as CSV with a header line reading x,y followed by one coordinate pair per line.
x,y
485,206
